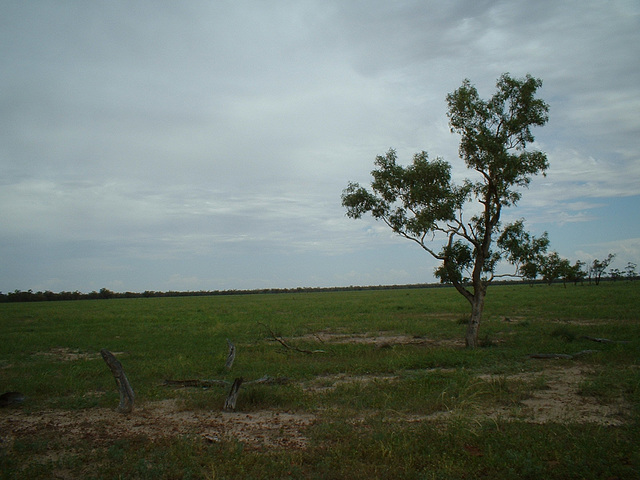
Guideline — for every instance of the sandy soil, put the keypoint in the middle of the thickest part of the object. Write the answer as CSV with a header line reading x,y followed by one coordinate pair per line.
x,y
159,419
560,401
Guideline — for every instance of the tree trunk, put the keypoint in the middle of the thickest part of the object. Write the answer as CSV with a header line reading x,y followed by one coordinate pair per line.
x,y
477,306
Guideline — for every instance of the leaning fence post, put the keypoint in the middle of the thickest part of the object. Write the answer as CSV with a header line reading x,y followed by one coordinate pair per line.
x,y
230,402
231,356
127,396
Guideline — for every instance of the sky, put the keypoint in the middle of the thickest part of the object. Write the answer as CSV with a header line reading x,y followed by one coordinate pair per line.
x,y
204,145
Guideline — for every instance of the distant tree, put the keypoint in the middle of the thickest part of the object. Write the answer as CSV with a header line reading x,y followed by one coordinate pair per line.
x,y
599,267
575,272
105,293
565,271
615,274
554,267
630,270
421,203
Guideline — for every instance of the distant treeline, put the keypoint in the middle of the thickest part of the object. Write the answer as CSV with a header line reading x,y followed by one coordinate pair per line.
x,y
105,293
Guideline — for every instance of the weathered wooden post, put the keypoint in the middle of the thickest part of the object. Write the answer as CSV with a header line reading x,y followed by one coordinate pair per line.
x,y
231,356
127,396
230,402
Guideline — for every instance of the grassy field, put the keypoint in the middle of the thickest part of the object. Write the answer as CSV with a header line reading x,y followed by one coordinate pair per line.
x,y
392,394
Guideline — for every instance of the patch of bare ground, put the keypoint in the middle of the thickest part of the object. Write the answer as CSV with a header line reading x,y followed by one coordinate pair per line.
x,y
558,400
561,401
380,340
153,420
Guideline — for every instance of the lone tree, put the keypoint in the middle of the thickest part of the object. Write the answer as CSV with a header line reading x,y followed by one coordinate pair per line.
x,y
421,203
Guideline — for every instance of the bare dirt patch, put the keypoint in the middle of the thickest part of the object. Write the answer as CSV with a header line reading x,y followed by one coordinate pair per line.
x,y
157,420
380,340
561,401
558,399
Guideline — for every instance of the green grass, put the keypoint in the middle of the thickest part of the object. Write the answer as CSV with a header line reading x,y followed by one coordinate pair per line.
x,y
362,428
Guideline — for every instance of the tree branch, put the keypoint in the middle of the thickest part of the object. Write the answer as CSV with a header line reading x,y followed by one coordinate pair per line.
x,y
286,345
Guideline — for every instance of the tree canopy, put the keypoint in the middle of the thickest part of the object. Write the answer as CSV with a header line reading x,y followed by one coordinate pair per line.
x,y
420,202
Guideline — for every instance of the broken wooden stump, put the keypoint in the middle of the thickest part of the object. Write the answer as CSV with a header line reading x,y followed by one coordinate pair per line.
x,y
230,402
127,396
231,356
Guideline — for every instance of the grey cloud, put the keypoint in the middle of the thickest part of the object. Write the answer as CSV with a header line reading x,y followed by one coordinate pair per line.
x,y
168,136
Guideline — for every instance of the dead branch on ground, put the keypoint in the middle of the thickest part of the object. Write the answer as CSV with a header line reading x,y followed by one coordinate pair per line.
x,y
561,355
197,383
286,345
603,340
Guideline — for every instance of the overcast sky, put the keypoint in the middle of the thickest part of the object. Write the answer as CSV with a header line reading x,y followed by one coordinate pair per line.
x,y
163,145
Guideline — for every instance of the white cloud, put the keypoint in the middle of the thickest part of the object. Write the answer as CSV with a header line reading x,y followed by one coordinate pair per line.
x,y
625,250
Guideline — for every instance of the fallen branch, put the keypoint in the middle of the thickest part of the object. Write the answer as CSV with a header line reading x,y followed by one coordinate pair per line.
x,y
196,383
318,337
286,345
267,380
603,340
550,355
561,355
127,396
